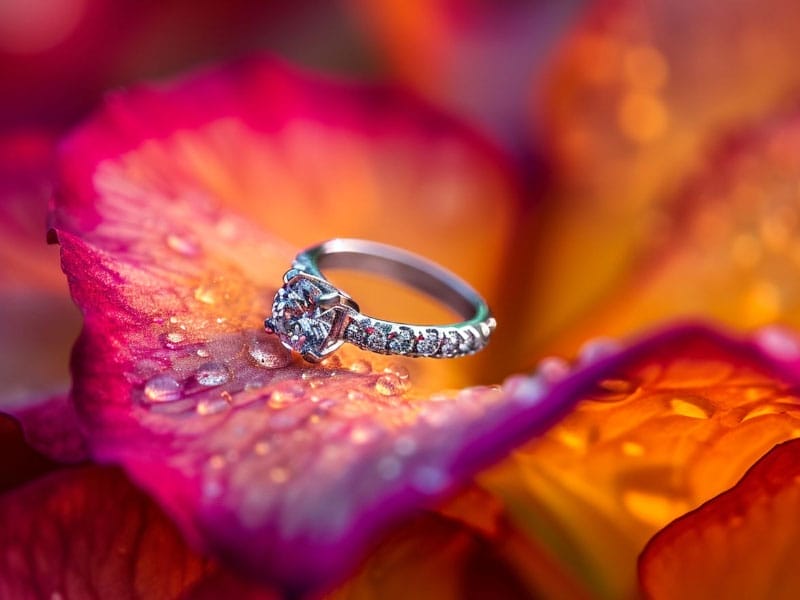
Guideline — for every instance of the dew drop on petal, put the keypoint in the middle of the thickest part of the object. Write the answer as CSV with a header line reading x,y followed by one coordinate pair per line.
x,y
552,369
161,388
213,405
361,366
778,341
388,385
597,349
212,374
268,355
203,353
525,390
694,407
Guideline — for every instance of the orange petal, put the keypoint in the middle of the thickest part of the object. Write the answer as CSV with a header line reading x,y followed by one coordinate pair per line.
x,y
742,544
680,423
639,93
733,253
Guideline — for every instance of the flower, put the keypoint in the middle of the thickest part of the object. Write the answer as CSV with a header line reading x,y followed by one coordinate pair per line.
x,y
180,205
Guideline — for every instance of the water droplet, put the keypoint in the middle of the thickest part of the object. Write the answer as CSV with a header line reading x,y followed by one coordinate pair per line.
x,y
388,385
552,369
213,405
597,349
762,410
268,355
361,366
779,342
261,448
183,245
161,388
694,407
173,320
203,353
525,390
355,395
284,396
400,370
212,374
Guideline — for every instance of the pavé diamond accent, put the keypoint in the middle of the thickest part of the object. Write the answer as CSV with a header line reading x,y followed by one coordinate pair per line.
x,y
355,332
376,336
401,341
451,344
428,344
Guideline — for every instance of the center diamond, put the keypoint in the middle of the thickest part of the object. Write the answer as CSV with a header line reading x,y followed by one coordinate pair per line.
x,y
297,318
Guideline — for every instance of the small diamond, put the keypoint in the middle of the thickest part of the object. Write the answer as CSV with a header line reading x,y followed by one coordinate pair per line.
x,y
376,336
401,341
451,344
469,343
428,344
356,331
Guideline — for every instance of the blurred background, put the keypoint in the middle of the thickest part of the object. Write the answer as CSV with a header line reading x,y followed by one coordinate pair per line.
x,y
607,111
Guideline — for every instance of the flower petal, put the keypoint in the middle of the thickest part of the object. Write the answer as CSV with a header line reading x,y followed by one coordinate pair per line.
x,y
638,94
87,532
20,462
733,252
37,320
741,544
673,426
287,471
477,59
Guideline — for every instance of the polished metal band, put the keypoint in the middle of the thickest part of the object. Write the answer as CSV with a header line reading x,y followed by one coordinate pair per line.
x,y
313,317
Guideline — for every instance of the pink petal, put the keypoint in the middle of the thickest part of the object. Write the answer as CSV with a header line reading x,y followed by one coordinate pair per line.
x,y
288,472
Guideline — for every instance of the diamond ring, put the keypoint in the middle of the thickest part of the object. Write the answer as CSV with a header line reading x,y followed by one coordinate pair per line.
x,y
313,317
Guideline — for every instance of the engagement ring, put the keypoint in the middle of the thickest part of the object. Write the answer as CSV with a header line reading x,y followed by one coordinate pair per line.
x,y
313,317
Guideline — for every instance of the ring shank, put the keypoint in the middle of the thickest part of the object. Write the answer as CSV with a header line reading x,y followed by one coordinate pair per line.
x,y
415,272
377,335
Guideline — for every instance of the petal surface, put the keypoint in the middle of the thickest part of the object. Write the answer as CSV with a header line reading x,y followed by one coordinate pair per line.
x,y
638,94
38,323
478,59
732,253
741,544
88,533
678,423
172,219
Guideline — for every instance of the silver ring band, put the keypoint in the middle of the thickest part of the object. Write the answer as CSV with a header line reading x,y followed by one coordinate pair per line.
x,y
313,317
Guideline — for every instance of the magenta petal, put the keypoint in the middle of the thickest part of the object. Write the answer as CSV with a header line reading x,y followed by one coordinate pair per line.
x,y
285,471
50,426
